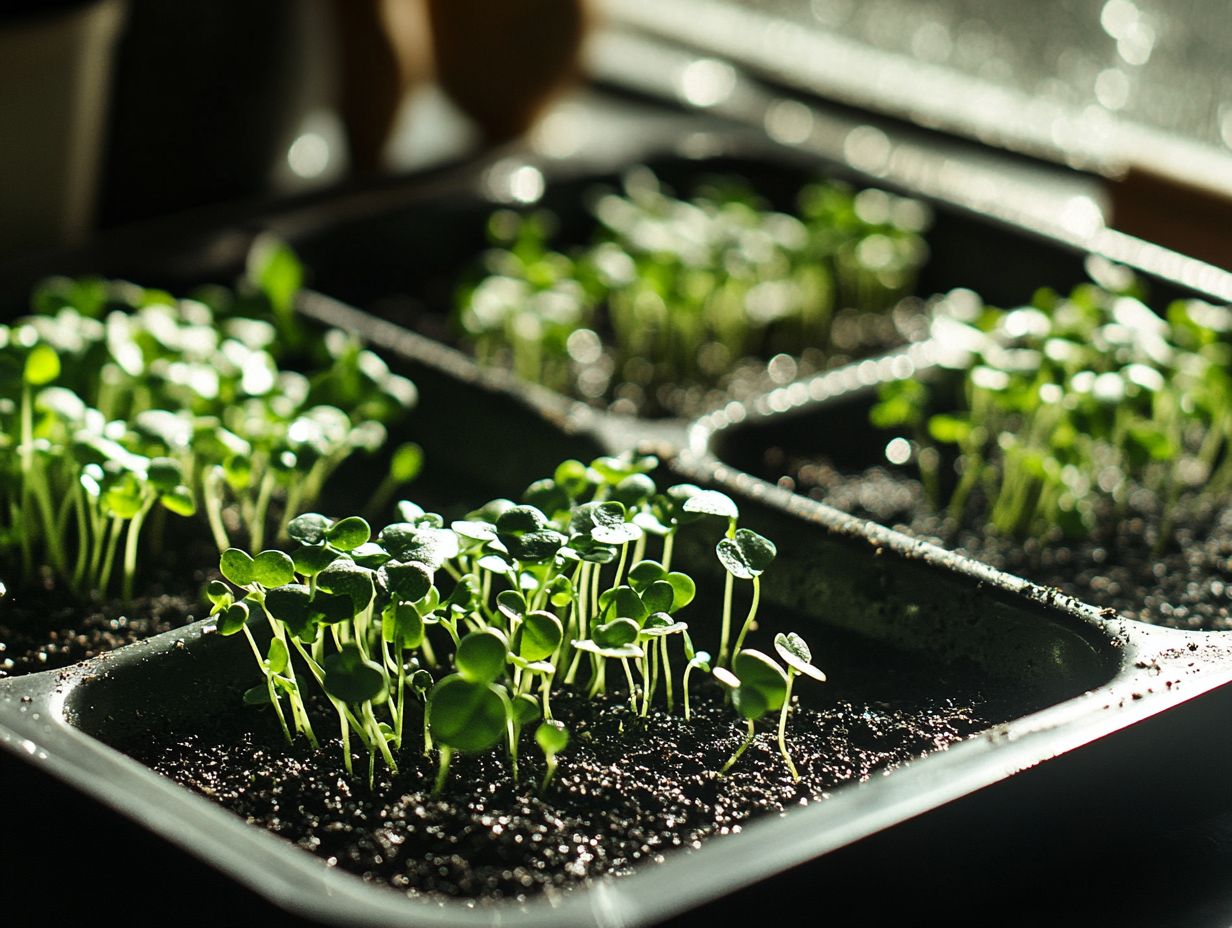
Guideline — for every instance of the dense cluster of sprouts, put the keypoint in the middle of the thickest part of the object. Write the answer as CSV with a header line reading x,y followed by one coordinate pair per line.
x,y
478,622
676,291
1066,407
121,407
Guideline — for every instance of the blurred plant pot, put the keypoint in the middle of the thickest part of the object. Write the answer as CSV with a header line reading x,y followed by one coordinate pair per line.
x,y
502,63
56,62
208,98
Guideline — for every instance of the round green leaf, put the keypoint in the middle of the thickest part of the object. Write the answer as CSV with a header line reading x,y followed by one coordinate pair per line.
x,y
402,624
257,695
538,636
759,552
481,655
552,737
520,519
526,708
309,528
429,545
370,555
42,365
346,578
408,582
644,573
332,608
561,589
535,546
465,715
548,496
349,533
573,476
273,569
618,632
796,654
511,603
750,702
292,605
232,618
277,657
711,503
218,593
236,566
634,490
165,474
746,555
683,589
605,523
180,501
759,672
659,596
349,676
622,602
406,462
310,560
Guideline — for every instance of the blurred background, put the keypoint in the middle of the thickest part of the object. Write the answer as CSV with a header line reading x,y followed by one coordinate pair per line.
x,y
118,111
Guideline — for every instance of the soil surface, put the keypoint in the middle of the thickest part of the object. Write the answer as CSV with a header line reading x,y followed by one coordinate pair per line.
x,y
43,626
626,791
1187,583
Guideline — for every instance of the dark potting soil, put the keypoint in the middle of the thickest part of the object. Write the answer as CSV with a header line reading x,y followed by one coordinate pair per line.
x,y
1186,584
626,790
43,626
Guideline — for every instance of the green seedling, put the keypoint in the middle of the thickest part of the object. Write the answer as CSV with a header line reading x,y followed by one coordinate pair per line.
x,y
699,660
504,607
799,660
125,410
552,738
758,685
745,556
466,715
1068,404
676,292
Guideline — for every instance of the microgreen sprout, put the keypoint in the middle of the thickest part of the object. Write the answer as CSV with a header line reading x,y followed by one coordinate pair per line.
x,y
1067,404
799,660
123,408
552,738
684,289
757,685
481,620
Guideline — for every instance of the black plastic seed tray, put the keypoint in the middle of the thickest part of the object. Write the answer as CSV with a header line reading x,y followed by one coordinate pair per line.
x,y
1055,679
1087,716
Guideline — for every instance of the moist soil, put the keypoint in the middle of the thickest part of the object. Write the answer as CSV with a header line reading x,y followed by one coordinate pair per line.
x,y
1186,583
626,791
43,626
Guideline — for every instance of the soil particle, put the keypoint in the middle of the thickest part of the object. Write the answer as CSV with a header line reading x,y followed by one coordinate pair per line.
x,y
627,791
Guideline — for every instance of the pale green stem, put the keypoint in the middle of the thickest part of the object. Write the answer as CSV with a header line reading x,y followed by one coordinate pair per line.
x,y
726,631
791,675
748,622
442,771
740,750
